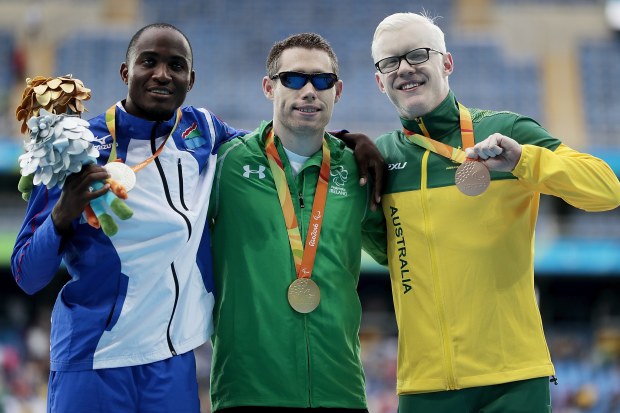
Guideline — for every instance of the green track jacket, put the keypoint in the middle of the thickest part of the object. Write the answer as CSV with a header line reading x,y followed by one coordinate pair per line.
x,y
265,353
462,267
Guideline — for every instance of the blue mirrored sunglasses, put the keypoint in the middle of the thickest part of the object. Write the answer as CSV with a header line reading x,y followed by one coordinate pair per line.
x,y
297,80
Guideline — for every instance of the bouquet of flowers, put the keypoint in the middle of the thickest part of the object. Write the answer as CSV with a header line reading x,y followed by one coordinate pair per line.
x,y
61,144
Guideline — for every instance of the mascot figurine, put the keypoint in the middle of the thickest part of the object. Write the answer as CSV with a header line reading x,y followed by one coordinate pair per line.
x,y
61,144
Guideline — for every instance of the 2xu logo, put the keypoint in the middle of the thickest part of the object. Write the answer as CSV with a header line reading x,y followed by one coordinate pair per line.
x,y
395,166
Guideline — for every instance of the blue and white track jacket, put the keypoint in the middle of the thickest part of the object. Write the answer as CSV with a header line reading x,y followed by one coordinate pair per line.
x,y
146,293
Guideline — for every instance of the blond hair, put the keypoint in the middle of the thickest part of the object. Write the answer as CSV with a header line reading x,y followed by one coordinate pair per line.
x,y
397,21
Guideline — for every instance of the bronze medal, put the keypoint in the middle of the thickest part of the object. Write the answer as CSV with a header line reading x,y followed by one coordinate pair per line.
x,y
304,295
472,178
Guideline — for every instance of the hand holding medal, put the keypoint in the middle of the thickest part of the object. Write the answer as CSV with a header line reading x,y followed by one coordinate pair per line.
x,y
472,176
497,152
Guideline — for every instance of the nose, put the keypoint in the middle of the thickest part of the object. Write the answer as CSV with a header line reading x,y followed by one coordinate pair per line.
x,y
308,91
405,67
162,73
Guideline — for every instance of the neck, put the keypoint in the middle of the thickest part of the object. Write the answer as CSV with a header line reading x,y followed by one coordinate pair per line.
x,y
301,141
147,115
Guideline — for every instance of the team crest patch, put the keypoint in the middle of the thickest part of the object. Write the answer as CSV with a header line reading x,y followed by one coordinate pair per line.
x,y
192,137
339,177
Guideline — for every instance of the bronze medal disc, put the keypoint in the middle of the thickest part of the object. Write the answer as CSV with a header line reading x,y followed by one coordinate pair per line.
x,y
472,178
304,295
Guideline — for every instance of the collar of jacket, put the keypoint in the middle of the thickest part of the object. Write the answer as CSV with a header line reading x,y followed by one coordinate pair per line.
x,y
440,122
335,145
130,126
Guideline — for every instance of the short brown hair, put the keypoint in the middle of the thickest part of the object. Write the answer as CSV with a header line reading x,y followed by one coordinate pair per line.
x,y
303,40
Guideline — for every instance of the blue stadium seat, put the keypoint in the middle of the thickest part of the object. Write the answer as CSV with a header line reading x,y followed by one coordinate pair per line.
x,y
7,45
230,49
95,58
485,78
600,65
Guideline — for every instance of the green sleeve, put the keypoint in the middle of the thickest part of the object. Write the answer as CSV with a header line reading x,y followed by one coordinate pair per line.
x,y
374,236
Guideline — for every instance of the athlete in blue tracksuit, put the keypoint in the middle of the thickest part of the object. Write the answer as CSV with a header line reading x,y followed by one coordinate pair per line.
x,y
146,294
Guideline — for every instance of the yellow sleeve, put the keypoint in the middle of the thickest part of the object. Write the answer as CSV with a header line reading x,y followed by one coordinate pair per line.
x,y
580,179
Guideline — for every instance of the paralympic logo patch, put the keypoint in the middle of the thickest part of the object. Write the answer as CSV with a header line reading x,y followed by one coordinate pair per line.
x,y
339,179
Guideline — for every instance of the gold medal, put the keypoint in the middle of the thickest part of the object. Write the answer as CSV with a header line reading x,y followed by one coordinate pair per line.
x,y
304,295
122,174
472,178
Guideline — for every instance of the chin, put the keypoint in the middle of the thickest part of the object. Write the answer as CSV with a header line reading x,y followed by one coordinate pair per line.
x,y
161,114
413,108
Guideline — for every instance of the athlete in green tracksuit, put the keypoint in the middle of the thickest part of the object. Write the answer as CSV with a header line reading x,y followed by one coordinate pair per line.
x,y
267,354
462,267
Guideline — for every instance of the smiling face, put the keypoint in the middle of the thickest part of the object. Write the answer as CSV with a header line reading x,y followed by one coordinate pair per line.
x,y
158,74
306,111
414,90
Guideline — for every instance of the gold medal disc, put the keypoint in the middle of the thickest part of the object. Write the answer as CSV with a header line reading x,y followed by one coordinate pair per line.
x,y
472,178
304,295
122,174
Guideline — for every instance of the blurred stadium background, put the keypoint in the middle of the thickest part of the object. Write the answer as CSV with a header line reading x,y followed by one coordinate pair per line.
x,y
555,60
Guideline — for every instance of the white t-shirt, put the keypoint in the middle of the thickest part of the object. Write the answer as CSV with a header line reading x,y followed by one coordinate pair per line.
x,y
296,161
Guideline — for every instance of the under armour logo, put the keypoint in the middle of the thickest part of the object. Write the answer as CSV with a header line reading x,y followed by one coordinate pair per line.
x,y
260,171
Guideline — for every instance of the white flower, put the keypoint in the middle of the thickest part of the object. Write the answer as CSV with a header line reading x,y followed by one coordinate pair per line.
x,y
59,145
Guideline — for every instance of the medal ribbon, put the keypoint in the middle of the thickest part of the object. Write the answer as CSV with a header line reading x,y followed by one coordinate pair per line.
x,y
110,121
303,256
454,154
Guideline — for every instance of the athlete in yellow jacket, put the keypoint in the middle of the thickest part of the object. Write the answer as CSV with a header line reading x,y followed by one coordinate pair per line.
x,y
462,263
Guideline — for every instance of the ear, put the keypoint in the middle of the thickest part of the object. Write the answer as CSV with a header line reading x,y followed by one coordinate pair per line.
x,y
124,71
339,85
268,87
379,82
448,64
192,77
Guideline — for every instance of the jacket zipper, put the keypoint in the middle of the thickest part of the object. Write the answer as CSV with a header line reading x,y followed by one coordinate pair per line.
x,y
165,183
180,168
302,229
174,308
309,359
189,229
447,352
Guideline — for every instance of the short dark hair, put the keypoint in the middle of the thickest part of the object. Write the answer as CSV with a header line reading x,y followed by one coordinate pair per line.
x,y
303,40
132,43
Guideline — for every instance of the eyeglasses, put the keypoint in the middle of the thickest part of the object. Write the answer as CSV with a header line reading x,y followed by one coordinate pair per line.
x,y
297,80
413,57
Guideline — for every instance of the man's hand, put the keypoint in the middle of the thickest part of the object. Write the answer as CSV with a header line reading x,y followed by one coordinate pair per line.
x,y
497,152
369,160
76,194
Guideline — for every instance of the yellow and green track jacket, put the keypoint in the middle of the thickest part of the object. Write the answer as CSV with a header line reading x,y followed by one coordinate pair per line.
x,y
462,268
